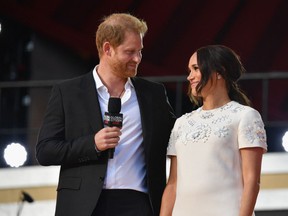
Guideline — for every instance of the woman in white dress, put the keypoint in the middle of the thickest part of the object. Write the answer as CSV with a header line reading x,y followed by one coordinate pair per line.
x,y
216,150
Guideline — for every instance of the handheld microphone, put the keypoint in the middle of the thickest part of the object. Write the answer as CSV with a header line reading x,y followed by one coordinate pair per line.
x,y
113,118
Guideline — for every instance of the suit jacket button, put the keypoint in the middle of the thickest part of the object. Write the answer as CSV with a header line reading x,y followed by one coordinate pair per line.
x,y
101,178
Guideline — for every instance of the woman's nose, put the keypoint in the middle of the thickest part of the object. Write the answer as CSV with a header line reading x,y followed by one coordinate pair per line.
x,y
190,76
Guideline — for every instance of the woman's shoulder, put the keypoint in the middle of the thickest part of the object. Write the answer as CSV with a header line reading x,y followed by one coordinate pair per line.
x,y
243,110
188,115
237,106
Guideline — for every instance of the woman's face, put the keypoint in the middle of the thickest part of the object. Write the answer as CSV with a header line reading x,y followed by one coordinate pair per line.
x,y
195,77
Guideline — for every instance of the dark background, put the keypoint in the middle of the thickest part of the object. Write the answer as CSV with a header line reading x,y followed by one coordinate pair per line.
x,y
55,40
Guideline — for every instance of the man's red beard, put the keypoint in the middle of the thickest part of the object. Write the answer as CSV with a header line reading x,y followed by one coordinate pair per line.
x,y
123,70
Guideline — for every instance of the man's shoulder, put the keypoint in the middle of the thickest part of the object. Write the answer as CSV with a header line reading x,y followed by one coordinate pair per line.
x,y
81,80
76,79
145,82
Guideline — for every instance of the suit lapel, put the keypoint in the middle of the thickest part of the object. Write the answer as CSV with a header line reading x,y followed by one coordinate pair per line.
x,y
145,111
90,99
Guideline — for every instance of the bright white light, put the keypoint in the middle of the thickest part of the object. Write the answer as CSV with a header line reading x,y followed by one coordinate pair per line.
x,y
15,155
285,141
0,28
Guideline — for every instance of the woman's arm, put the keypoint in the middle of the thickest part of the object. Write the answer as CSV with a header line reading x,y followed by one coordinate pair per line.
x,y
251,170
169,195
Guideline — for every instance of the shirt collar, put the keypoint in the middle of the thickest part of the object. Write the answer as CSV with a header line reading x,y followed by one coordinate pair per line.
x,y
100,85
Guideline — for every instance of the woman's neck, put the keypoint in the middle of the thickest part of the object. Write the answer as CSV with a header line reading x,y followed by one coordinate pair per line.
x,y
215,102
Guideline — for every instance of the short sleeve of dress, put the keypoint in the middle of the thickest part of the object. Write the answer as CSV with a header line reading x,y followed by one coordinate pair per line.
x,y
171,150
251,131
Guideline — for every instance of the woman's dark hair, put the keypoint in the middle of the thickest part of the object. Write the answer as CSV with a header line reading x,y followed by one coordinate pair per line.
x,y
223,60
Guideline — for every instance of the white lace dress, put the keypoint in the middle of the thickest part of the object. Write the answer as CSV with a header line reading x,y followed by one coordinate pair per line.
x,y
207,143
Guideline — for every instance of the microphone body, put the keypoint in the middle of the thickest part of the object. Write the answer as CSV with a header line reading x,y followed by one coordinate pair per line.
x,y
113,118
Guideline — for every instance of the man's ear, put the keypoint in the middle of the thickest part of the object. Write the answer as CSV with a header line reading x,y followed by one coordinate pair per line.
x,y
107,48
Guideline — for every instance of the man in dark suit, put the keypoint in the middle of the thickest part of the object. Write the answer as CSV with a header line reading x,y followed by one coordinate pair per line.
x,y
73,135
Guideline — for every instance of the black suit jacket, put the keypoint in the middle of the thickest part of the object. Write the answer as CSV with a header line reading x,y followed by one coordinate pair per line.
x,y
66,138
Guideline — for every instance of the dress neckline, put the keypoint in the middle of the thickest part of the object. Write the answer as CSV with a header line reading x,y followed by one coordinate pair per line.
x,y
215,109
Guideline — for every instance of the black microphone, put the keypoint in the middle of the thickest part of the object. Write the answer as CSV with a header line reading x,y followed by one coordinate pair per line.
x,y
27,197
24,197
113,118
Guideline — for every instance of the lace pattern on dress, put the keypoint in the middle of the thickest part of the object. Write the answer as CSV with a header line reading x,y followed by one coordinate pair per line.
x,y
193,131
256,131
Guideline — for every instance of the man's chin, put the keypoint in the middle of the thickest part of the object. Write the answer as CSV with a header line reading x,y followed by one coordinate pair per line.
x,y
131,73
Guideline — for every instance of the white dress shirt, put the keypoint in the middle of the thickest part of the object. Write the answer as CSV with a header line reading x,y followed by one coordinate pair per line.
x,y
126,170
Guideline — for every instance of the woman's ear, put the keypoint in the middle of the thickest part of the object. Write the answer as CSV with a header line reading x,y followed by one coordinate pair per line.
x,y
219,76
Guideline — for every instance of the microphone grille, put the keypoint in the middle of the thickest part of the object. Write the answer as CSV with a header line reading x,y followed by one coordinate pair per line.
x,y
114,105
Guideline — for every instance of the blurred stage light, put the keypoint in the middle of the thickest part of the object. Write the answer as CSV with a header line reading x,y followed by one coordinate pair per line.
x,y
15,155
285,141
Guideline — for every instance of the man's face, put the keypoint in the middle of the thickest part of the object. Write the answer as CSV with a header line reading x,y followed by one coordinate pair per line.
x,y
126,57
